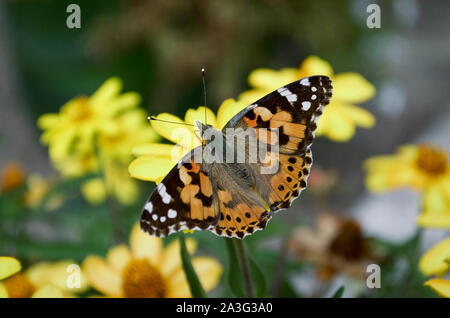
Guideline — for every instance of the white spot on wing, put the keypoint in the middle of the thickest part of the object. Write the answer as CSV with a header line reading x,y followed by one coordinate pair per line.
x,y
172,213
149,207
306,105
291,98
162,219
162,192
305,82
313,88
155,217
313,97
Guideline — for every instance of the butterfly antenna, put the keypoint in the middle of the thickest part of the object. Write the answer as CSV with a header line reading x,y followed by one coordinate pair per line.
x,y
167,121
204,92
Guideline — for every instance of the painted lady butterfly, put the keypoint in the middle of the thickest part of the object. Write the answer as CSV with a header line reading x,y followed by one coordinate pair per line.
x,y
235,199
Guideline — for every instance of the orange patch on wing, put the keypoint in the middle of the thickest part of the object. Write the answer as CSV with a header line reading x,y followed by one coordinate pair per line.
x,y
184,176
282,116
205,185
187,192
224,196
266,136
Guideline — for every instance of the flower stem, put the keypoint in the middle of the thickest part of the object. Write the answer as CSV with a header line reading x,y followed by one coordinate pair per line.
x,y
195,286
245,268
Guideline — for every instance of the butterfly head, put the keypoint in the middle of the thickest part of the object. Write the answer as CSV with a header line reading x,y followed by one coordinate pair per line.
x,y
202,130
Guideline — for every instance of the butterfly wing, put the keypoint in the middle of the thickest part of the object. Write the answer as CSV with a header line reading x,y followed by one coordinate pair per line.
x,y
183,200
294,110
232,199
242,212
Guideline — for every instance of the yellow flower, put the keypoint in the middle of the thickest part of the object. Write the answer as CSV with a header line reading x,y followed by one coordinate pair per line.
x,y
436,261
147,269
420,167
95,135
108,115
42,280
155,160
341,116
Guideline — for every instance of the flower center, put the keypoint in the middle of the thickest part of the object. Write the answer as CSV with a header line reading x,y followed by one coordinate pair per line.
x,y
80,111
18,286
142,280
431,161
349,242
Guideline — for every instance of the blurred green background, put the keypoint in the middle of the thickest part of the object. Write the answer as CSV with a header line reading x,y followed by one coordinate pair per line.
x,y
159,47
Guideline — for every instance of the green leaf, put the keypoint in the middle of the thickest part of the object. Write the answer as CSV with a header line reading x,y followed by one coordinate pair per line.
x,y
234,276
339,292
258,279
195,286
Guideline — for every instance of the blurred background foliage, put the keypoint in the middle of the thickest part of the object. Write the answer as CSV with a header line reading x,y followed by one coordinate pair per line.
x,y
158,48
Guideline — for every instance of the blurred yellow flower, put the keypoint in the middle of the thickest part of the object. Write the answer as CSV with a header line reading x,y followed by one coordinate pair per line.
x,y
38,187
42,280
155,160
147,269
436,261
420,167
341,116
8,266
95,135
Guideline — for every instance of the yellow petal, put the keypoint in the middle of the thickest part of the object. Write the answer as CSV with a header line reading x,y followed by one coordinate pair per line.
x,y
118,257
199,114
151,168
249,97
123,102
182,135
227,110
398,176
145,246
352,88
441,286
48,291
436,199
314,65
46,121
271,80
170,257
102,277
8,266
57,274
336,126
433,261
359,116
155,149
208,271
94,191
434,220
107,90
3,291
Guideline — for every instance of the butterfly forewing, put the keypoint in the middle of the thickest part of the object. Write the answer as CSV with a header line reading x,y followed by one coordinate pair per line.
x,y
183,200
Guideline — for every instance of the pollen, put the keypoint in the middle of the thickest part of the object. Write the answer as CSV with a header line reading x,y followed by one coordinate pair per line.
x,y
431,161
142,280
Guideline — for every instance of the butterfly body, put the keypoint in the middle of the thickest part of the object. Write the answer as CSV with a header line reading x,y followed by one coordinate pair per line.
x,y
219,186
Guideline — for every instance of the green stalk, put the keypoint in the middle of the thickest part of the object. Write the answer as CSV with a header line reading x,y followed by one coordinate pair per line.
x,y
244,264
195,286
